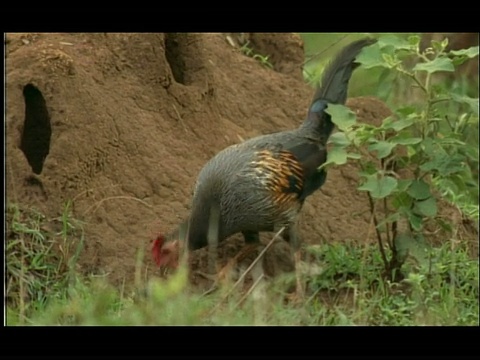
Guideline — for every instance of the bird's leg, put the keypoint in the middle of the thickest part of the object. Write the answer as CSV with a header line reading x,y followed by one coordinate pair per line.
x,y
251,237
182,238
212,237
292,238
252,240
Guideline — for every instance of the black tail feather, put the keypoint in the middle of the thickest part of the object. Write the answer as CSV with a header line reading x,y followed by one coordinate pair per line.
x,y
334,86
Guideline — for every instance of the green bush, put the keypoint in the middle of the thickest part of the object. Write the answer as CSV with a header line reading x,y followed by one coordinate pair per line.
x,y
437,155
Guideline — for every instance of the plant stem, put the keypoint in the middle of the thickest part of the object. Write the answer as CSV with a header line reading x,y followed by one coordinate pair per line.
x,y
379,236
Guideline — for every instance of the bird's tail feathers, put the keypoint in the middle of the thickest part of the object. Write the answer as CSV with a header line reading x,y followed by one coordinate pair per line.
x,y
334,85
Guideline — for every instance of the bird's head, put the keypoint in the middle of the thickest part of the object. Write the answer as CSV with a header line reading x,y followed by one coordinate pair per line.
x,y
166,253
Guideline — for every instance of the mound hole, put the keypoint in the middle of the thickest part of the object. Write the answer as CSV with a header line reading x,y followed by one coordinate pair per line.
x,y
174,57
37,130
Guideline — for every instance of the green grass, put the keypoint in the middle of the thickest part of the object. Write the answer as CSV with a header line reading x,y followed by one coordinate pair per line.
x,y
40,258
347,290
262,59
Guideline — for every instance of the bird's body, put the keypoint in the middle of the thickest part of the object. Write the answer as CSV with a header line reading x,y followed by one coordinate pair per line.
x,y
265,187
261,184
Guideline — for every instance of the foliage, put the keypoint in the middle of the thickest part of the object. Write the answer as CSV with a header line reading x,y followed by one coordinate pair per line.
x,y
442,291
40,262
413,159
320,48
348,291
262,59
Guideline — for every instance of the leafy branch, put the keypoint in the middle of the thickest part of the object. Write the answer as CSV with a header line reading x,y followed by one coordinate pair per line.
x,y
434,142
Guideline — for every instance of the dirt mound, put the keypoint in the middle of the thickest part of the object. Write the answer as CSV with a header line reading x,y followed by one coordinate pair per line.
x,y
122,124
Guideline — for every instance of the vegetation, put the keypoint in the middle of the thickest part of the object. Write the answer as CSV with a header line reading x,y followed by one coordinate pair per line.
x,y
435,160
423,155
348,291
262,59
40,261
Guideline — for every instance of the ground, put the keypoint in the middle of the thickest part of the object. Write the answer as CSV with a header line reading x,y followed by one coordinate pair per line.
x,y
121,124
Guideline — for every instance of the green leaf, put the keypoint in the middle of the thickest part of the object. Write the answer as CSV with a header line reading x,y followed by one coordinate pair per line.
x,y
429,146
398,125
389,219
444,163
445,43
460,56
438,64
395,41
472,102
385,82
448,140
459,182
354,156
419,190
405,111
470,52
382,148
437,46
342,116
414,40
413,245
402,199
402,242
371,56
411,152
388,121
426,207
404,184
364,133
379,188
369,168
339,139
415,221
403,140
336,156
388,59
459,60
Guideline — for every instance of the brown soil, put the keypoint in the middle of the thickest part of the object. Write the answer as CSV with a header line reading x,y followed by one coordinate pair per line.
x,y
133,118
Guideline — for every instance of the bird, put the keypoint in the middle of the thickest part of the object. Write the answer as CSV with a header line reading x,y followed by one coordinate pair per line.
x,y
260,185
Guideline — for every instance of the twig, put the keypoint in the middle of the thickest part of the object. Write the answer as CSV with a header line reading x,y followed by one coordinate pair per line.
x,y
379,237
214,286
313,296
256,260
249,291
88,190
384,165
97,204
385,205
